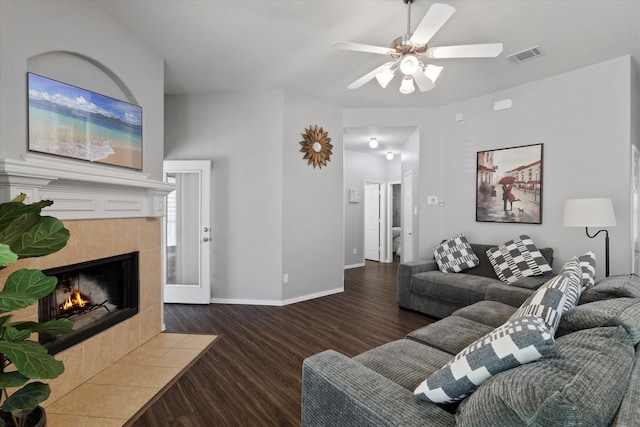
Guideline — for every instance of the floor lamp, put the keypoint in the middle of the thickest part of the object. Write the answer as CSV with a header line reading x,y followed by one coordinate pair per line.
x,y
591,213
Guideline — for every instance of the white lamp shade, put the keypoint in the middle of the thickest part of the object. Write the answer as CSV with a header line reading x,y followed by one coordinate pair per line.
x,y
407,86
589,213
385,77
409,64
433,72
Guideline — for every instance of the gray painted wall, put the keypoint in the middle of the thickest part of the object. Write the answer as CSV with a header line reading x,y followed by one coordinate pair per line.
x,y
77,43
585,128
358,168
271,213
312,203
587,131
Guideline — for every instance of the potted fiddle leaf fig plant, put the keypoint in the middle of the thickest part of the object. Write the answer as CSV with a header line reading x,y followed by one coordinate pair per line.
x,y
24,233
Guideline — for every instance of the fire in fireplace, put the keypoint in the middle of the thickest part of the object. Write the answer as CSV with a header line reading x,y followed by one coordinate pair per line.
x,y
93,295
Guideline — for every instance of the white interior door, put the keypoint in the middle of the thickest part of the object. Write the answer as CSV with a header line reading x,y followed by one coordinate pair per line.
x,y
187,232
372,221
407,218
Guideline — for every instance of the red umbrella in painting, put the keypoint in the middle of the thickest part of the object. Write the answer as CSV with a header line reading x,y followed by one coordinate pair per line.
x,y
507,180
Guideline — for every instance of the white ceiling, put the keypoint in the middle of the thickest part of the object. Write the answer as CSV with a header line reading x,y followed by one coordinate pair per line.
x,y
216,46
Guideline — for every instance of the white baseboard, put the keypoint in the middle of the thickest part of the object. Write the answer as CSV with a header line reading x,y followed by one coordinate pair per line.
x,y
346,267
277,303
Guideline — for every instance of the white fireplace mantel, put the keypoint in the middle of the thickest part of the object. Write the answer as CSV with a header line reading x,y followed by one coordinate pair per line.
x,y
82,191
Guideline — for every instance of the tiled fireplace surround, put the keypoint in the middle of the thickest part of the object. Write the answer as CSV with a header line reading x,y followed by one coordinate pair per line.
x,y
117,212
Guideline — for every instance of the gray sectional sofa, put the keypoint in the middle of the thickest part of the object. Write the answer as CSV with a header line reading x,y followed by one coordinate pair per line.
x,y
423,287
591,379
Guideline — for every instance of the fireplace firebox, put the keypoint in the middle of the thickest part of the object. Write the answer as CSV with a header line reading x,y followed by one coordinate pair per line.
x,y
93,295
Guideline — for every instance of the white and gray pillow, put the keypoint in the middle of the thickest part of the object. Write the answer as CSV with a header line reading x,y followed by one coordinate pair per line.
x,y
517,258
518,341
556,296
588,265
455,255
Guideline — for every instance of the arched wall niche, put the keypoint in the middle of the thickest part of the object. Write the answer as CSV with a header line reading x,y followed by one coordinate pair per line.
x,y
81,71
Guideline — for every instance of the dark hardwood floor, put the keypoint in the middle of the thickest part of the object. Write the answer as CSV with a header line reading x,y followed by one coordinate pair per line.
x,y
252,375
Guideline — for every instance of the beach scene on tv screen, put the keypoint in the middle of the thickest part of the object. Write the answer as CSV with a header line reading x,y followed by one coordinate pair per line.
x,y
69,121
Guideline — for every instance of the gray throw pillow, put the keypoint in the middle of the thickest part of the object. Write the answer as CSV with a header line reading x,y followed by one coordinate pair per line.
x,y
623,285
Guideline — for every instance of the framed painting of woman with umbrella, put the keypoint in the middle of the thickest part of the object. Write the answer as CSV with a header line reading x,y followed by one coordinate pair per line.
x,y
509,185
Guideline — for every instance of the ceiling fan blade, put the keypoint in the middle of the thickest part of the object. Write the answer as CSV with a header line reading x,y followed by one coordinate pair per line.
x,y
489,50
363,48
436,16
370,75
424,83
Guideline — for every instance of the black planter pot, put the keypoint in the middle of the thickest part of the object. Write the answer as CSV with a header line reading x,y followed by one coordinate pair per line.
x,y
36,418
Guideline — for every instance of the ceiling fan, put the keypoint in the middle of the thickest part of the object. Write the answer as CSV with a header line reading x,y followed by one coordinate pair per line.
x,y
407,51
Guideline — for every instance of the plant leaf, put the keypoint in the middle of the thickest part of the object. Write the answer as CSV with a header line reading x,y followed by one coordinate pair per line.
x,y
53,327
20,198
12,334
6,255
30,282
31,359
17,218
10,301
27,398
47,237
12,379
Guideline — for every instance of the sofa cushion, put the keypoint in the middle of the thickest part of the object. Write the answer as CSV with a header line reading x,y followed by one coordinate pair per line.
x,y
460,288
623,285
559,389
623,312
455,255
451,334
517,258
491,313
412,361
588,264
518,341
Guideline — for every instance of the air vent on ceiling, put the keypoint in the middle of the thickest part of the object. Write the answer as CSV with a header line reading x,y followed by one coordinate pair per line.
x,y
525,55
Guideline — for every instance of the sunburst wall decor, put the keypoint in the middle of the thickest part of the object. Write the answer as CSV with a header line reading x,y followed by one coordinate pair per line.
x,y
316,146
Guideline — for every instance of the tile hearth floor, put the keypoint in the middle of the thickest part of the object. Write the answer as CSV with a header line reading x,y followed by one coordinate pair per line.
x,y
114,396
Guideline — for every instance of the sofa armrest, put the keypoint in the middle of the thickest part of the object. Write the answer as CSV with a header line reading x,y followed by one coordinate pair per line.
x,y
507,294
337,390
405,271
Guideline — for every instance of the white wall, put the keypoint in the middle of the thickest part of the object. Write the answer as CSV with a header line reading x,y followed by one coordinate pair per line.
x,y
242,135
40,35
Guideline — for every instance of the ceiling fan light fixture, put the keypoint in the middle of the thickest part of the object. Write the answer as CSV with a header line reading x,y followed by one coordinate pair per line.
x,y
433,72
373,143
385,77
407,86
409,64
